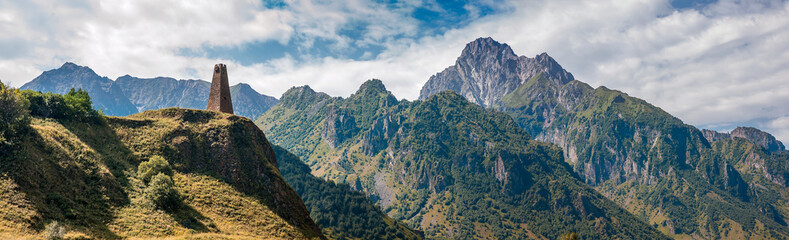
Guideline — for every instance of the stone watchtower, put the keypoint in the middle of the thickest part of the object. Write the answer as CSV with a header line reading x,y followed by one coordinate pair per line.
x,y
219,98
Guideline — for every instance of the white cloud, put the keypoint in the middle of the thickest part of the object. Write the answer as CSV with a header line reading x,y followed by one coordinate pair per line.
x,y
779,127
720,66
144,37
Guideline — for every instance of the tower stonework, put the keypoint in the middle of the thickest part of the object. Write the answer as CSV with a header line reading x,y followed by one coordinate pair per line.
x,y
219,98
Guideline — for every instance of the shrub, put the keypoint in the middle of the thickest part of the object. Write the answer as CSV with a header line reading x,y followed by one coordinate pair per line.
x,y
161,192
46,105
14,117
74,105
54,231
569,236
152,167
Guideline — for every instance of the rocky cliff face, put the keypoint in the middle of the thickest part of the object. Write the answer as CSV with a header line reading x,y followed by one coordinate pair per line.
x,y
107,97
487,70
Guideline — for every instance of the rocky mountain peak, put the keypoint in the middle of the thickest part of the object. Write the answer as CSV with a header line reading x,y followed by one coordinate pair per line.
x,y
486,48
70,65
106,96
487,70
758,137
73,69
754,135
552,69
243,86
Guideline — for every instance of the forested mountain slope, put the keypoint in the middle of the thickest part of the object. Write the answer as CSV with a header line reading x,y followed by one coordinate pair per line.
x,y
445,165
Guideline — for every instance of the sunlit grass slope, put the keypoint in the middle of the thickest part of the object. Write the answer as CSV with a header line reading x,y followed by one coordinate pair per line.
x,y
83,175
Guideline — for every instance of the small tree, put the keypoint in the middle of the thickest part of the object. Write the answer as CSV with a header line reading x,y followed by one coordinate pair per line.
x,y
79,102
152,167
54,230
161,192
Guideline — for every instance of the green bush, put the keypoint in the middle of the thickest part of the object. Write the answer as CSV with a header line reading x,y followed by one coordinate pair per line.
x,y
157,175
152,167
161,192
46,105
74,105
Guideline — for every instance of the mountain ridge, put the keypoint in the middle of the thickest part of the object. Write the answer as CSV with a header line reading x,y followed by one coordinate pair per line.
x,y
754,135
106,95
128,95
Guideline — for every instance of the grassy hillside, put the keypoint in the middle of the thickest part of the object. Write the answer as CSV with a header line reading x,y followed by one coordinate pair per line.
x,y
445,166
83,174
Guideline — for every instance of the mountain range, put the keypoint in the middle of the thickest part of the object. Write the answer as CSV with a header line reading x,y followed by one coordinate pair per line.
x,y
445,165
497,146
128,95
686,182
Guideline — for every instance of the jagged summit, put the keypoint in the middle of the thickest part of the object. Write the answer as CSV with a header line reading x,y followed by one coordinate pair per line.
x,y
487,70
552,69
486,47
68,65
73,68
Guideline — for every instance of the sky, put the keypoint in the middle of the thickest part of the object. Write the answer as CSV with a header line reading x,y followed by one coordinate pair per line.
x,y
714,64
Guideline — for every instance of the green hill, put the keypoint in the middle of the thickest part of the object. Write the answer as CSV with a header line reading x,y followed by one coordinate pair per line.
x,y
218,178
445,166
